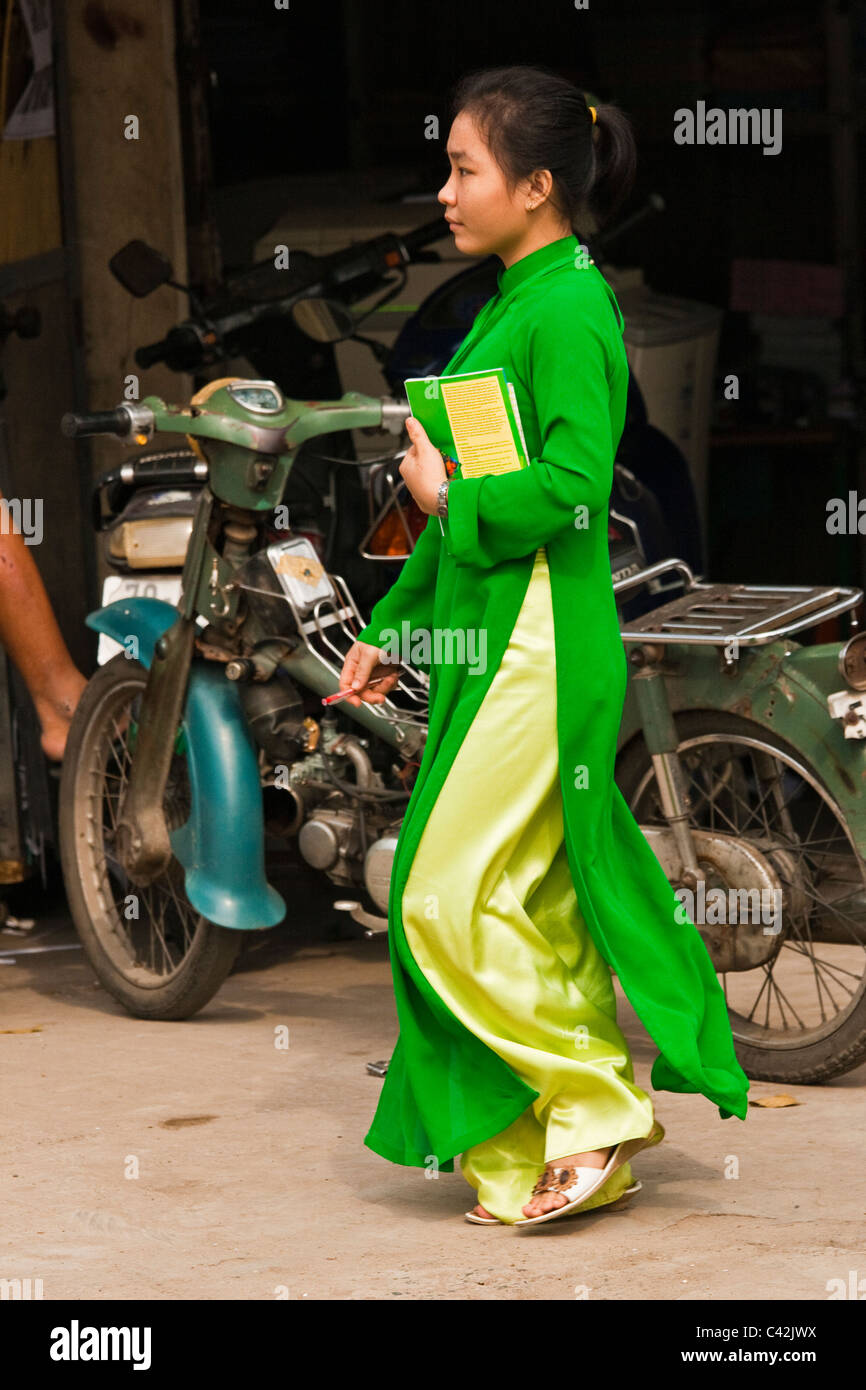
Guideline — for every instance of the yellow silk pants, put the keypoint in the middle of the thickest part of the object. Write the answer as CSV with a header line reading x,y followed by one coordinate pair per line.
x,y
491,917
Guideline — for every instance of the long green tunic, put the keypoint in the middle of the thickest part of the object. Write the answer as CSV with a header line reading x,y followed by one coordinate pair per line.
x,y
556,328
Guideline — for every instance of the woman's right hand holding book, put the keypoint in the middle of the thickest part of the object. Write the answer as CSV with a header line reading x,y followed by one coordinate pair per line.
x,y
363,665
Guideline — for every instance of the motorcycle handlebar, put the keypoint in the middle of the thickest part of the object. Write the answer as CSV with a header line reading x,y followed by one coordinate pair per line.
x,y
188,344
129,422
423,236
75,425
151,353
184,348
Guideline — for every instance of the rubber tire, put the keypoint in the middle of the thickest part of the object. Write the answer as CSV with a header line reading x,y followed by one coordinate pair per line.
x,y
214,949
845,1048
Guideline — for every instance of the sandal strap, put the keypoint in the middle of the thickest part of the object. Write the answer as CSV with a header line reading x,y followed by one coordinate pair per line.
x,y
555,1180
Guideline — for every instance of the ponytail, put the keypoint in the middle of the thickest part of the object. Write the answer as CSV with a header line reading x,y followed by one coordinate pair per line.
x,y
614,162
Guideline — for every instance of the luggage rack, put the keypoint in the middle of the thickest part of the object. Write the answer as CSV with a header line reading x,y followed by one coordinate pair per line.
x,y
326,614
328,626
716,614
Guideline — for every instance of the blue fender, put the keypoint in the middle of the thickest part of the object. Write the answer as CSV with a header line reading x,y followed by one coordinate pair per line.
x,y
222,844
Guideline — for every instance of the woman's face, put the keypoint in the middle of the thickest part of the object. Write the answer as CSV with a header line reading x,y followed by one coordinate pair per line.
x,y
485,218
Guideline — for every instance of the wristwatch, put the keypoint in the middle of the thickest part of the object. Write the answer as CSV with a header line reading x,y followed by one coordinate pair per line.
x,y
442,498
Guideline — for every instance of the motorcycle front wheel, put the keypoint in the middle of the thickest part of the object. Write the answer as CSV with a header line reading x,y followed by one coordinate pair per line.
x,y
147,945
800,1015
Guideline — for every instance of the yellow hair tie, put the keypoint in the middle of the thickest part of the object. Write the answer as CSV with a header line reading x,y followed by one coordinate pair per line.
x,y
592,110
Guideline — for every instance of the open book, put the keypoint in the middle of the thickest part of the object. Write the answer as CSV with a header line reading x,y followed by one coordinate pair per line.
x,y
473,418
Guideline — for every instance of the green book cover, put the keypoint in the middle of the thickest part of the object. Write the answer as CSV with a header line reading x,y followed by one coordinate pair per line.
x,y
472,417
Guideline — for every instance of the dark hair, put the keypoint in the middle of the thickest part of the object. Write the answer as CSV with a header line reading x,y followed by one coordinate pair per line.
x,y
532,118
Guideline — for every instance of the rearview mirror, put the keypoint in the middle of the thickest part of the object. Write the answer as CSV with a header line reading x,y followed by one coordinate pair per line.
x,y
324,320
140,268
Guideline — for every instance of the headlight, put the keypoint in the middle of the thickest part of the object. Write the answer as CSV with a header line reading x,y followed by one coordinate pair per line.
x,y
852,662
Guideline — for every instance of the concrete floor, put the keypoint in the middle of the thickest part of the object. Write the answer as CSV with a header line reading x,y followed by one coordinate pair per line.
x,y
253,1181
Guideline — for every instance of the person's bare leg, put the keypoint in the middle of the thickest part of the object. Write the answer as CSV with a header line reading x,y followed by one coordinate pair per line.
x,y
33,641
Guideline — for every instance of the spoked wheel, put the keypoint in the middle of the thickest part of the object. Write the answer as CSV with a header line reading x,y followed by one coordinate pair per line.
x,y
148,946
798,1011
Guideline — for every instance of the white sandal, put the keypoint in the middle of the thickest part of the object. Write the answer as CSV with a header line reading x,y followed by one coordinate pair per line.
x,y
577,1184
483,1220
621,1201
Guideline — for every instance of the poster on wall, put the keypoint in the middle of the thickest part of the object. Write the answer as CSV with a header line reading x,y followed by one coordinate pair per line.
x,y
33,115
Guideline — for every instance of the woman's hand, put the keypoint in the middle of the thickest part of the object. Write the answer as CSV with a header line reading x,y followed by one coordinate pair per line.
x,y
423,467
362,665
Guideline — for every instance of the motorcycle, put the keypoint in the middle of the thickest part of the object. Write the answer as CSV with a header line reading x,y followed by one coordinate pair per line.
x,y
739,751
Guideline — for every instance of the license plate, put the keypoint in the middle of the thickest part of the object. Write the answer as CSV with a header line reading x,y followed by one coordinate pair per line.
x,y
120,586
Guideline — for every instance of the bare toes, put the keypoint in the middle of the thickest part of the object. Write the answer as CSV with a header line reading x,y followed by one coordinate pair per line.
x,y
539,1206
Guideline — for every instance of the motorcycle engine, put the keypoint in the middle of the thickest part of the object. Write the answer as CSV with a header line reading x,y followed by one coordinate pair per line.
x,y
275,713
378,864
350,841
330,839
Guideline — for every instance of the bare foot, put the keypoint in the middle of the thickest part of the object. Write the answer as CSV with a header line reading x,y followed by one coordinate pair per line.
x,y
482,1211
549,1201
55,715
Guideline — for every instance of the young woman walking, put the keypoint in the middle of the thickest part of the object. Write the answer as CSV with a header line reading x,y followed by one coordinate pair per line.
x,y
521,880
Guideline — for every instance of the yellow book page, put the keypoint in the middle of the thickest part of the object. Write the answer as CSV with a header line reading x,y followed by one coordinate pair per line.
x,y
480,426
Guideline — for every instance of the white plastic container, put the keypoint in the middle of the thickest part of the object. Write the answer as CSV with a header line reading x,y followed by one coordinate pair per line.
x,y
671,345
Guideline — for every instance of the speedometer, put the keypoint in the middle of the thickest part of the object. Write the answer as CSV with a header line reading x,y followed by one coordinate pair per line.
x,y
263,397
